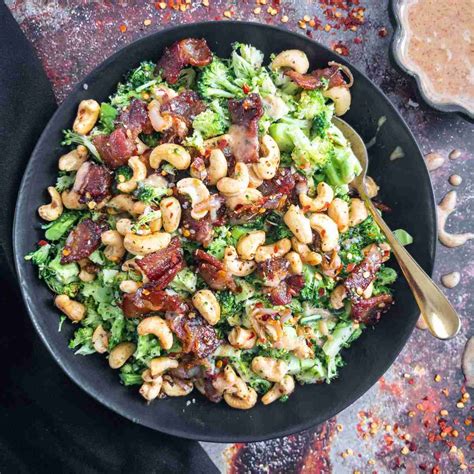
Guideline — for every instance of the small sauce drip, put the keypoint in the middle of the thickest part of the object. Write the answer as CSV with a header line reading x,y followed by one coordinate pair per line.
x,y
451,280
445,208
438,48
434,161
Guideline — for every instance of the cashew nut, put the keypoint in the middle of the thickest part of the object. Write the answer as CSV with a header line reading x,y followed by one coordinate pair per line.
x,y
158,327
84,274
269,368
74,310
174,387
245,403
87,115
175,155
215,142
247,245
327,230
170,213
338,211
275,250
299,224
230,187
291,58
242,338
254,180
285,387
296,264
198,193
341,96
158,122
145,244
139,174
307,256
159,365
73,160
129,286
338,296
357,212
100,339
123,226
151,387
114,250
207,305
50,212
70,200
267,165
371,187
249,196
155,224
235,266
120,354
325,195
217,166
126,203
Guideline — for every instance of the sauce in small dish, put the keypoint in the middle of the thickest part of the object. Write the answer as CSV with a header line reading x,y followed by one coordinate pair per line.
x,y
435,44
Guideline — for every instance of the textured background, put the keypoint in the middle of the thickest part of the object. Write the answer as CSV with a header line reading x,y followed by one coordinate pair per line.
x,y
397,424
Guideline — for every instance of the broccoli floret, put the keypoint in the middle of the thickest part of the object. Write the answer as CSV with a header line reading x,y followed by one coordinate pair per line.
x,y
64,181
150,140
148,347
108,114
185,281
311,104
216,82
386,276
310,155
186,79
150,194
141,75
403,236
342,167
210,123
57,229
276,229
229,303
246,61
282,132
316,289
321,124
123,173
71,137
82,341
145,219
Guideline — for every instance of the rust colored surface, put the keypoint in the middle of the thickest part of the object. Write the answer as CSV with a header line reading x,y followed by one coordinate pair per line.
x,y
417,418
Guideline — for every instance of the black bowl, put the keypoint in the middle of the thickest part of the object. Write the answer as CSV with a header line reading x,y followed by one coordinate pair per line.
x,y
405,187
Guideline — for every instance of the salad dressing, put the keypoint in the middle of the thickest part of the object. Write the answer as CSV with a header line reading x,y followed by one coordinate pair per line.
x,y
439,48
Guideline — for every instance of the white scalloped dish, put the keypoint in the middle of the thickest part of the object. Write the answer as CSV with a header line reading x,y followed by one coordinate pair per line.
x,y
434,43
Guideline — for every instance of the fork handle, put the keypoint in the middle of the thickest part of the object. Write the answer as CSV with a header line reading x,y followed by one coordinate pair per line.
x,y
441,318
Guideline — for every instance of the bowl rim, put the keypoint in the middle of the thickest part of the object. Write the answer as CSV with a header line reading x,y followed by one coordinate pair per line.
x,y
396,46
88,387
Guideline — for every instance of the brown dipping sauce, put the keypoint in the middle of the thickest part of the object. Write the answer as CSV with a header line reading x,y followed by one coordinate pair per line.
x,y
439,47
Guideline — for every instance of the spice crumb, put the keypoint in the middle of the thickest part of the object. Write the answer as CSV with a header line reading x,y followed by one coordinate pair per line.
x,y
123,28
437,378
147,22
228,14
284,19
257,10
460,404
405,450
443,412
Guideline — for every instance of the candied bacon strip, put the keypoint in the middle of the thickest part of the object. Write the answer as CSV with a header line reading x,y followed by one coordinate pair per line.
x,y
282,183
317,79
92,182
135,118
162,266
212,271
115,149
364,273
83,240
186,52
244,116
186,105
149,299
195,333
369,311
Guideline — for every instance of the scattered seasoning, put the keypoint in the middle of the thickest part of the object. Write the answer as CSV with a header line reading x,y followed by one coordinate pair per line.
x,y
147,22
228,14
284,19
341,48
123,28
383,32
205,3
257,10
437,378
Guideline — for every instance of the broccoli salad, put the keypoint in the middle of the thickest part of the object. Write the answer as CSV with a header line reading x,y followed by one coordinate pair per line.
x,y
202,232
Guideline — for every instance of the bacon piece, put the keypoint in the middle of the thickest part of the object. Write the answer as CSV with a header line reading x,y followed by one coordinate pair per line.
x,y
92,182
369,311
195,333
295,283
162,266
244,115
212,271
282,183
273,270
199,230
189,51
115,149
284,292
83,240
318,78
186,106
364,273
148,299
135,118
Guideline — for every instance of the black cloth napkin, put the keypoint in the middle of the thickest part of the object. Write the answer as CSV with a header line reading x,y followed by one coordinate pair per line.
x,y
47,423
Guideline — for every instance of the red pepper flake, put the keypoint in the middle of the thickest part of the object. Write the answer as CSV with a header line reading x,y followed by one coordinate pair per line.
x,y
436,470
341,48
321,291
123,28
383,32
246,88
437,455
42,243
358,40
